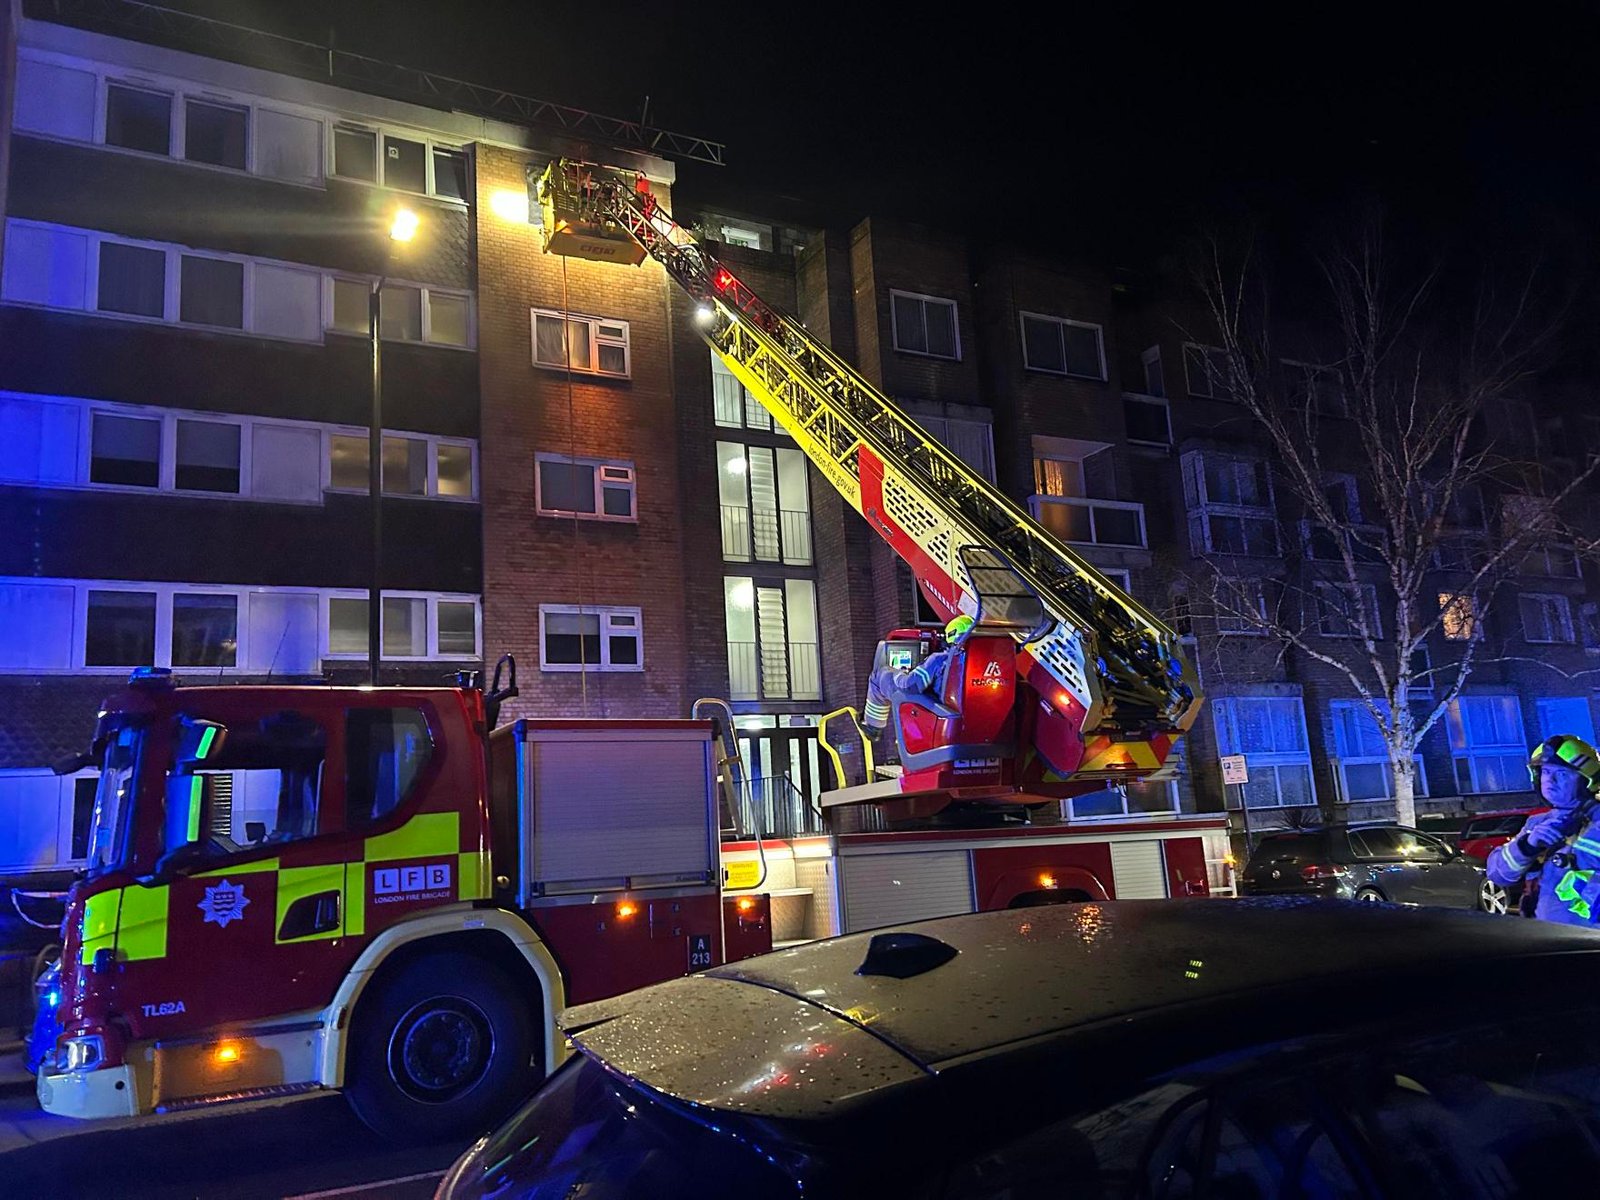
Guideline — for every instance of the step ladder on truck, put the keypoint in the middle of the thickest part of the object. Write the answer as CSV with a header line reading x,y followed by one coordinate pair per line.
x,y
1065,685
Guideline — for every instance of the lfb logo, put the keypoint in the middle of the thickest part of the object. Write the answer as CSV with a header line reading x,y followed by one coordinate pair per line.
x,y
393,881
993,675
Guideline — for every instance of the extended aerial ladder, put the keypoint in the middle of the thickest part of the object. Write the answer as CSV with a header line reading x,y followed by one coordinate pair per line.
x,y
1095,687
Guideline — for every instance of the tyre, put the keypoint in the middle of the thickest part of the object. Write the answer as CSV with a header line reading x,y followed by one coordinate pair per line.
x,y
1371,895
444,1048
1492,898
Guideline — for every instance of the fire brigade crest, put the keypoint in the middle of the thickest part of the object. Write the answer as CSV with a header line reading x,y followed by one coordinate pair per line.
x,y
224,903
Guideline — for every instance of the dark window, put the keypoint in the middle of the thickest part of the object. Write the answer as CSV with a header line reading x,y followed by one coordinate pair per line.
x,y
405,165
205,630
566,487
400,313
450,174
386,750
571,639
138,120
1041,345
212,292
458,627
133,279
265,786
125,450
83,791
1146,422
1304,847
121,629
1376,843
623,639
215,134
355,154
208,457
1083,351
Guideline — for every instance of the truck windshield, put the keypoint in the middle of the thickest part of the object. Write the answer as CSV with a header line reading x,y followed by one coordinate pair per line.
x,y
113,800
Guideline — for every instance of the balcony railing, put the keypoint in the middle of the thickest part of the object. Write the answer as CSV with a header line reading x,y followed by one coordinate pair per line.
x,y
736,532
775,535
775,671
1089,522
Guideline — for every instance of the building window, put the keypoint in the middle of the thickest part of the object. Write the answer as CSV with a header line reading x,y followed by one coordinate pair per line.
x,y
573,638
137,119
414,465
1062,347
599,489
1240,607
133,280
1230,505
1460,618
207,458
1362,768
1322,388
413,625
737,235
205,630
1552,561
1422,676
405,164
732,403
449,174
1488,745
399,313
1337,615
766,507
355,154
408,312
352,306
1148,421
772,639
1589,623
970,441
1155,378
924,325
593,345
1271,731
125,451
120,630
1546,618
216,134
211,292
1206,371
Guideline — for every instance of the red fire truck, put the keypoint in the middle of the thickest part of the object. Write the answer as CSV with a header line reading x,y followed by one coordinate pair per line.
x,y
300,887
379,890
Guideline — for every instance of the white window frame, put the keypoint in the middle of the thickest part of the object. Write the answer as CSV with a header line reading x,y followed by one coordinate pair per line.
x,y
434,441
1062,323
1152,354
742,236
174,254
380,131
1204,352
1342,762
1424,690
1205,508
605,612
1471,753
894,323
427,292
624,476
241,593
1369,597
327,595
1264,761
1231,626
1550,601
595,342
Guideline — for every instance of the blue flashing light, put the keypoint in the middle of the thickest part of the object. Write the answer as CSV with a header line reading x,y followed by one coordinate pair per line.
x,y
150,677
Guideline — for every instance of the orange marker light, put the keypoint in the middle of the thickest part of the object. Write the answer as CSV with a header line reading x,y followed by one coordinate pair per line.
x,y
626,909
1047,881
746,904
228,1052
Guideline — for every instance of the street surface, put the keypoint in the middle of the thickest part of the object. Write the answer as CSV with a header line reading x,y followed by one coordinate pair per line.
x,y
304,1147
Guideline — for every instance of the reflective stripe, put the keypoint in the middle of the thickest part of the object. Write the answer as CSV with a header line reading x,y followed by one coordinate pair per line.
x,y
142,928
1588,845
1567,890
472,870
1513,859
355,899
195,791
100,922
425,835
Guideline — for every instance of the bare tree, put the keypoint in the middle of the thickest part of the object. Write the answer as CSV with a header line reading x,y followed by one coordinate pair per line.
x,y
1443,514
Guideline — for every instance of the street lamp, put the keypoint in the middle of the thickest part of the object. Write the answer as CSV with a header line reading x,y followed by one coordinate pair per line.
x,y
402,229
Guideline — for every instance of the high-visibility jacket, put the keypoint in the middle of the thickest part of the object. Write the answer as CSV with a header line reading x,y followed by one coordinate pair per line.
x,y
927,676
1568,875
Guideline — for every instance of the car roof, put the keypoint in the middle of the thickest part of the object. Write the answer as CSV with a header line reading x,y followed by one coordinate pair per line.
x,y
798,1032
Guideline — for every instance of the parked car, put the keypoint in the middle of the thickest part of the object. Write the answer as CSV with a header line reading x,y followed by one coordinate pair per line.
x,y
1374,862
1163,1050
1485,833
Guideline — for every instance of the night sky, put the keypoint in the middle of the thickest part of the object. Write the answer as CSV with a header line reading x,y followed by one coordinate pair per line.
x,y
1110,135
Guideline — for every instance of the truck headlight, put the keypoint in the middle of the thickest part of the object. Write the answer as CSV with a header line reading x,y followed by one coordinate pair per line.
x,y
82,1053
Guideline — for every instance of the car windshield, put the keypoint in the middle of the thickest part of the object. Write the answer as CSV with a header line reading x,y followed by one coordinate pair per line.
x,y
113,800
587,1133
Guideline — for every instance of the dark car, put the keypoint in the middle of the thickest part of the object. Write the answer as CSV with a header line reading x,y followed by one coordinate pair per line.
x,y
1163,1050
1375,862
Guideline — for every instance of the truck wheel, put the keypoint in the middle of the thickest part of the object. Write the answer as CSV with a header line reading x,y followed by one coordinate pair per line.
x,y
445,1048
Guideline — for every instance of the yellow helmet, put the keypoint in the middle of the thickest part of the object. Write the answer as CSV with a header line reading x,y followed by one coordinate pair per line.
x,y
1569,751
958,627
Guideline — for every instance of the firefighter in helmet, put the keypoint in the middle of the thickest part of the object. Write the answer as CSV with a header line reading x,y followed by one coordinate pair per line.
x,y
1559,852
928,677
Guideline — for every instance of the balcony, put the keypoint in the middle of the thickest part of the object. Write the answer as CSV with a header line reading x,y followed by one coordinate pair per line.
x,y
776,535
1085,522
774,671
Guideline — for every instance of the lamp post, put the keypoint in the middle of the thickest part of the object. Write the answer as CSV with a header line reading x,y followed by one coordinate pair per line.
x,y
402,229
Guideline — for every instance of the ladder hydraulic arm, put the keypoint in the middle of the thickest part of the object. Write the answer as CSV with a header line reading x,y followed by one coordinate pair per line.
x,y
1114,687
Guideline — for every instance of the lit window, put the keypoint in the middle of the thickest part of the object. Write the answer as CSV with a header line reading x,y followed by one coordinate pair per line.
x,y
1488,744
1460,616
588,344
1271,730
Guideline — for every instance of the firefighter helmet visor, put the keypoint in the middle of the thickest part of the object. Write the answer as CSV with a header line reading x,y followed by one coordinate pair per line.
x,y
1568,751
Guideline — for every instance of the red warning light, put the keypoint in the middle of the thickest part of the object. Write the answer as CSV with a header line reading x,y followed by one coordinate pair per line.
x,y
724,278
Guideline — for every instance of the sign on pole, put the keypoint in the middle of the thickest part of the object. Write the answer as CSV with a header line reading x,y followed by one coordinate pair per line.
x,y
1234,770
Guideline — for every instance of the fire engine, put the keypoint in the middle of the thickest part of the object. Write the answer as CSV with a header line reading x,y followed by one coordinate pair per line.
x,y
385,891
